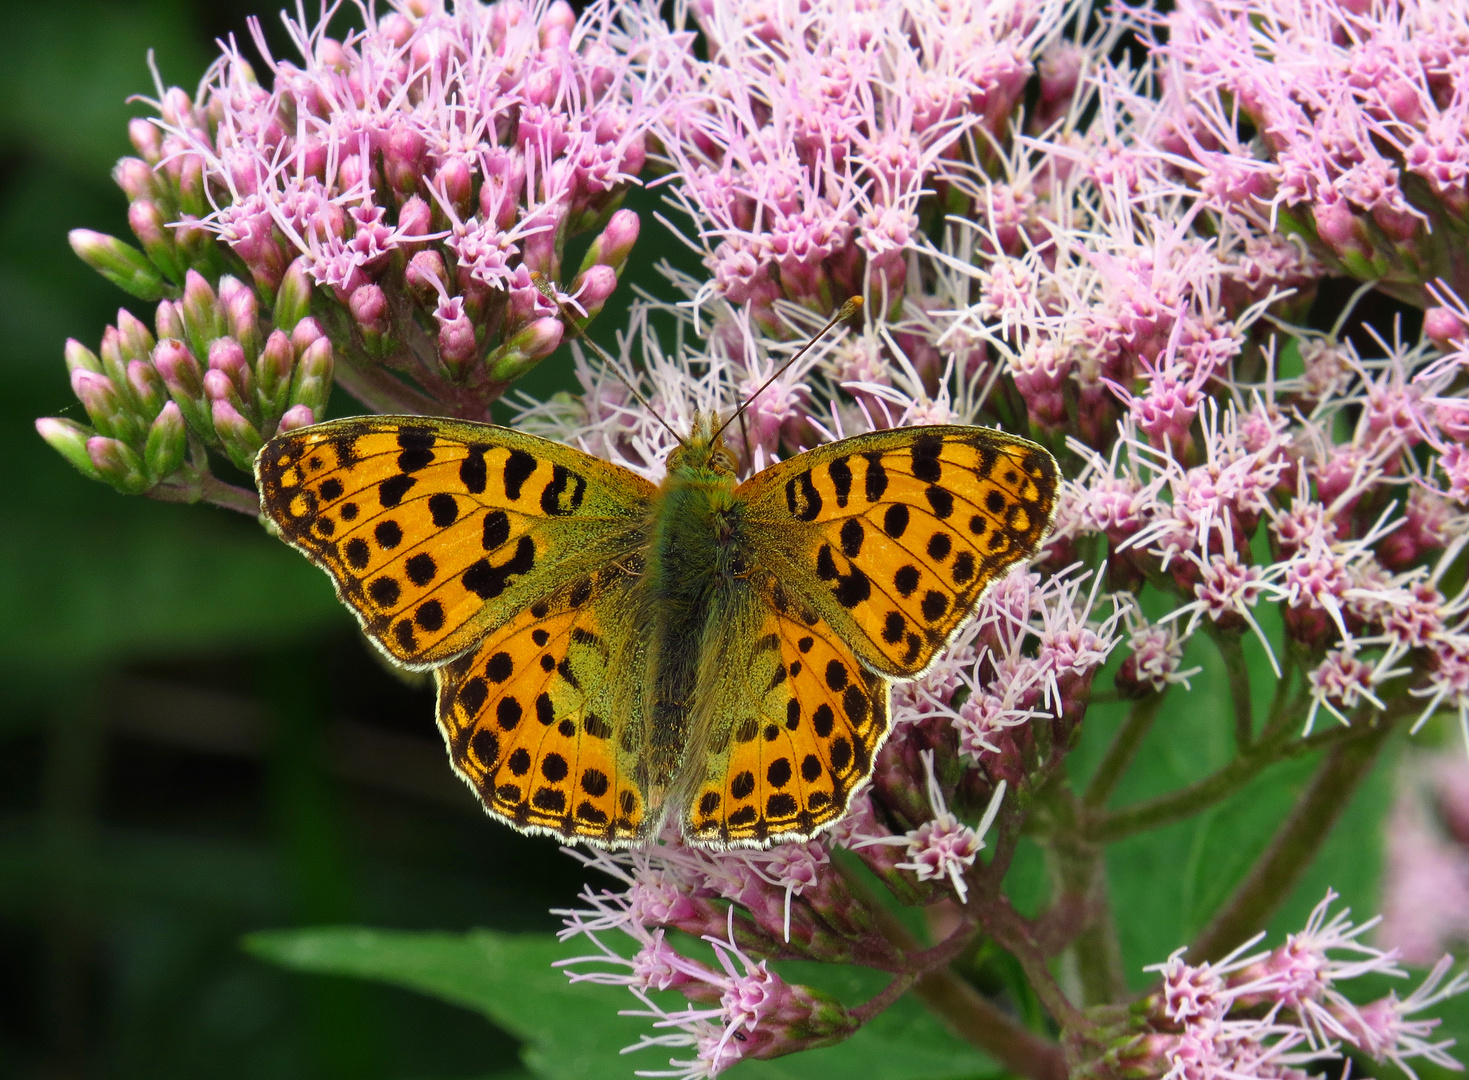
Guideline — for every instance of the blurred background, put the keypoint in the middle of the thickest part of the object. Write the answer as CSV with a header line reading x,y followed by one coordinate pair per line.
x,y
194,741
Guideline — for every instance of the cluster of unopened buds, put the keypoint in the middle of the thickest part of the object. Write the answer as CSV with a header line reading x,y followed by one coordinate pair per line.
x,y
1115,261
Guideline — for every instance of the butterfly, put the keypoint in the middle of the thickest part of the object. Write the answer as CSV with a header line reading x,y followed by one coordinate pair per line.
x,y
610,652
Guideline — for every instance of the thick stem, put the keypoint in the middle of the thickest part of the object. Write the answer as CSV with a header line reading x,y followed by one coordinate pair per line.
x,y
381,391
962,1008
967,1013
209,488
1238,673
1123,749
1188,801
1295,844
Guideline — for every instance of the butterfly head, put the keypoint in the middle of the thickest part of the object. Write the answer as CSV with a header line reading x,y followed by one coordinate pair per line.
x,y
704,450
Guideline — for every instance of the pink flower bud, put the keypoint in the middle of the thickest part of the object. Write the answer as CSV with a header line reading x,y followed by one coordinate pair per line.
x,y
1337,226
201,311
146,386
615,243
457,345
273,373
403,159
415,217
122,264
1399,225
1441,326
240,438
168,320
370,308
307,333
526,349
178,368
226,356
456,183
178,109
134,340
395,28
147,140
426,277
118,464
147,223
167,444
108,410
69,439
593,287
297,416
556,25
135,177
311,384
293,298
80,358
241,313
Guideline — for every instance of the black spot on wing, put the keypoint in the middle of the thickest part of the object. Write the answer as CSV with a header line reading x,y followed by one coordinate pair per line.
x,y
841,479
518,467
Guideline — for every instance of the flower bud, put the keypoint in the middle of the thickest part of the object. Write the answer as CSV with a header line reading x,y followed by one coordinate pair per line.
x,y
167,444
149,226
147,140
107,408
168,320
69,439
81,358
525,350
403,159
136,178
118,464
240,438
591,290
311,384
227,358
135,342
426,277
415,218
122,264
293,298
148,389
181,373
190,179
456,183
369,307
307,333
297,416
241,314
203,319
457,344
614,244
1441,326
273,374
556,25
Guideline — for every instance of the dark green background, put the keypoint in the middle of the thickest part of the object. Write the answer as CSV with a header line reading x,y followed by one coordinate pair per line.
x,y
195,745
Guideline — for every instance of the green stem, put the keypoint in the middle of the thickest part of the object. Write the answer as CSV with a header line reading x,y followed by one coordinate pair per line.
x,y
1239,688
1185,802
380,390
1295,843
971,1016
1123,749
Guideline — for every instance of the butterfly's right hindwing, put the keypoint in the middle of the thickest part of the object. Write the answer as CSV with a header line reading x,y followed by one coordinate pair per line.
x,y
544,719
436,532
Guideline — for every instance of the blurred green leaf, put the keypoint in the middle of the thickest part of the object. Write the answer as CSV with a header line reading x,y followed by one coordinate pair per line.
x,y
572,1030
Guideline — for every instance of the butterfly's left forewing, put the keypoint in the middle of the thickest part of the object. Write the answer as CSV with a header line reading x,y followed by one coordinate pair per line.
x,y
437,531
892,537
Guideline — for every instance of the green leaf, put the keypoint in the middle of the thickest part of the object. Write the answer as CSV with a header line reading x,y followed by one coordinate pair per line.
x,y
573,1030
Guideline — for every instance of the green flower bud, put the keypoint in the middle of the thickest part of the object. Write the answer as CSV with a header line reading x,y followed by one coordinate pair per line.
x,y
293,298
69,439
167,445
122,264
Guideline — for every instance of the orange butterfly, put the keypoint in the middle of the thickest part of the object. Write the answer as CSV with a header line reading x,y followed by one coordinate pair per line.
x,y
609,652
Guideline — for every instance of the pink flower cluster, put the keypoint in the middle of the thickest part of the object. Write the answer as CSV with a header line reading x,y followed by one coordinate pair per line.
x,y
1271,1014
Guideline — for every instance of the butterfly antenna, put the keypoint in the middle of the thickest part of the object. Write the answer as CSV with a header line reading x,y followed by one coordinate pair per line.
x,y
850,308
542,283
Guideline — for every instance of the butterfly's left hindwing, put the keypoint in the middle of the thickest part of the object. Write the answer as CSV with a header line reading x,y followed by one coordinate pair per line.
x,y
892,537
436,531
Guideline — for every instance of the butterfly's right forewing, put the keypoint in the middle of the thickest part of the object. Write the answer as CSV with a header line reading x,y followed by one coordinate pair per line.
x,y
437,531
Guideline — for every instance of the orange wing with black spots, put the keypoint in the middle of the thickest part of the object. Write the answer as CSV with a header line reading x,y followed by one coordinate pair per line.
x,y
544,719
793,724
437,531
893,537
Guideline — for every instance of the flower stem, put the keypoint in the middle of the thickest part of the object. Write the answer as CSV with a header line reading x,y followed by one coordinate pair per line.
x,y
1295,843
209,488
1166,809
974,1019
1238,673
1123,749
381,391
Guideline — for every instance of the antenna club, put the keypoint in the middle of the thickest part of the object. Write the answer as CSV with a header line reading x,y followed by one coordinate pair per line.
x,y
850,308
